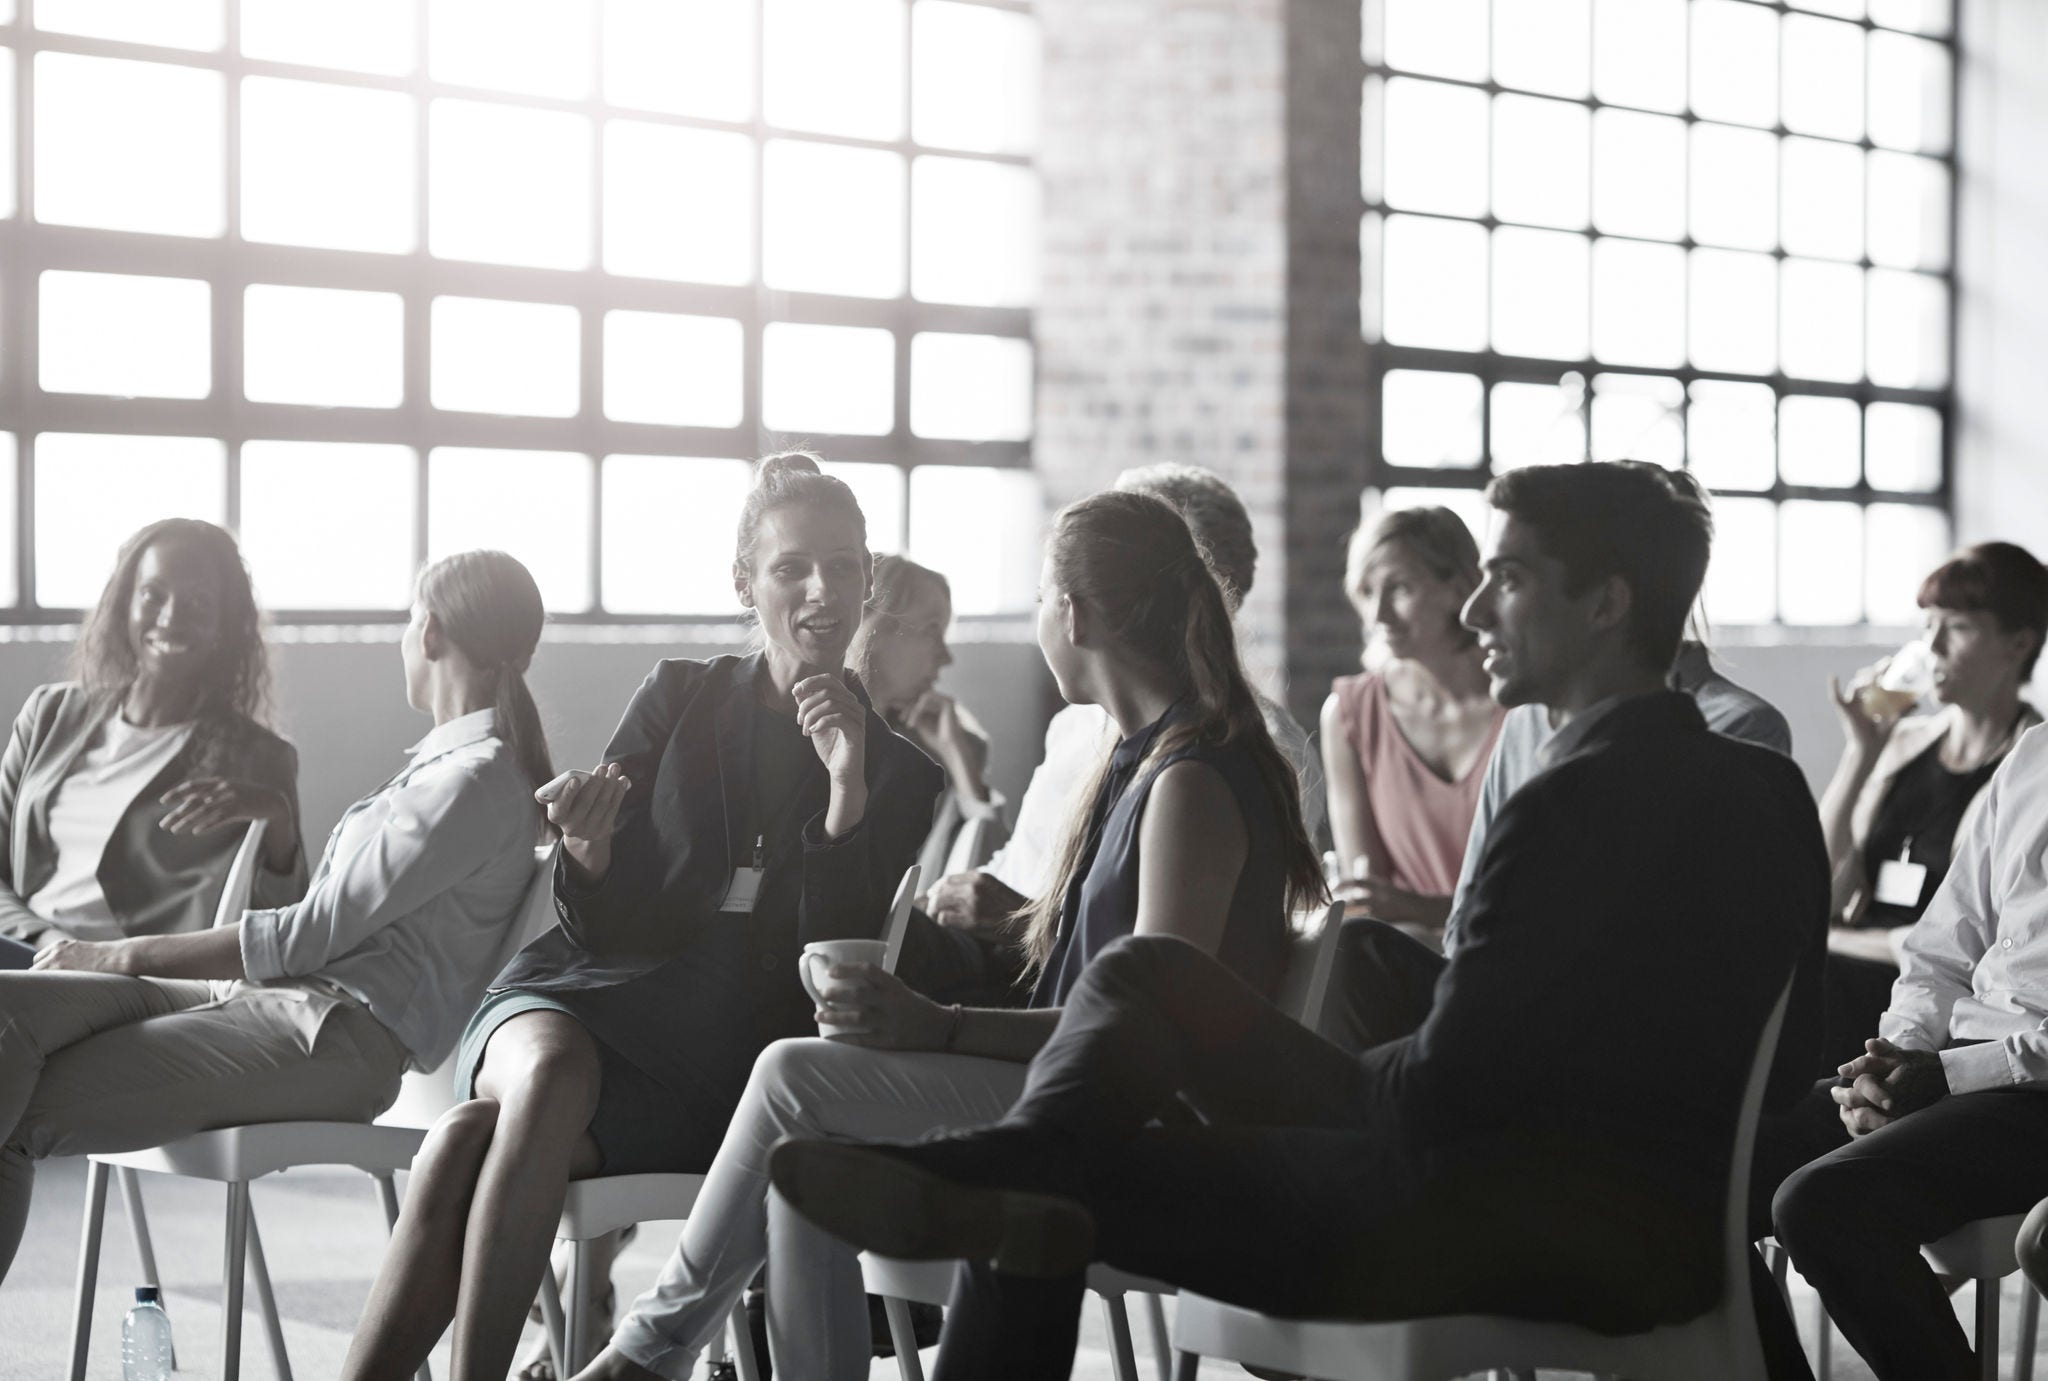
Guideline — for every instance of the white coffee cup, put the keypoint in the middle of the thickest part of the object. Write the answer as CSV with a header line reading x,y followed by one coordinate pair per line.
x,y
823,954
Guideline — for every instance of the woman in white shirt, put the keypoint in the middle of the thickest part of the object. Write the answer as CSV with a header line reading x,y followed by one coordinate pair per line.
x,y
316,1008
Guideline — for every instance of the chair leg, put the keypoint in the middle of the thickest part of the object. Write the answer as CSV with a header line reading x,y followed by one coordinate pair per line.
x,y
1123,1360
145,1250
1824,1338
2030,1331
1155,1322
743,1342
387,1196
232,1263
903,1333
551,1320
1186,1365
581,1288
88,1265
1987,1329
266,1301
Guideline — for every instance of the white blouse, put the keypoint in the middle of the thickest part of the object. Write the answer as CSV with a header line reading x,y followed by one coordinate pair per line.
x,y
118,764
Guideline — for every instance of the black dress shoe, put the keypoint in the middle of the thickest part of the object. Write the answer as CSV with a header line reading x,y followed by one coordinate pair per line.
x,y
881,1199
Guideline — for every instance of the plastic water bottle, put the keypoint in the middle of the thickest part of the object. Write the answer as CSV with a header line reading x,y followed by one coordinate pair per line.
x,y
146,1339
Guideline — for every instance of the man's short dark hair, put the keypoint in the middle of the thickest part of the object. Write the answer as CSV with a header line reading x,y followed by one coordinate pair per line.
x,y
1645,524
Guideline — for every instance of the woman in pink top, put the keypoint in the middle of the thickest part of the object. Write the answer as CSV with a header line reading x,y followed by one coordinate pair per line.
x,y
1405,745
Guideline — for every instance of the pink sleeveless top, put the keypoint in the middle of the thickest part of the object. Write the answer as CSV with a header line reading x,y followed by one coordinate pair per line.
x,y
1416,836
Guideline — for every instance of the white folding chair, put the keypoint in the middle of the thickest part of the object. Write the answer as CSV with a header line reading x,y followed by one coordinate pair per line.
x,y
1719,1344
607,1203
1304,993
1983,1252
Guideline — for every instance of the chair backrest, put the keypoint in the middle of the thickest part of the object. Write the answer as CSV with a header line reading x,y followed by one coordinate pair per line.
x,y
898,924
1305,989
1735,1225
234,893
973,846
536,910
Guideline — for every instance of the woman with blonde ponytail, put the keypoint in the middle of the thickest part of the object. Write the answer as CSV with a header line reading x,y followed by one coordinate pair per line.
x,y
1192,830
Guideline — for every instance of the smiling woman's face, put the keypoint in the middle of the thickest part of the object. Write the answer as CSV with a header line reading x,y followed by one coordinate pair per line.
x,y
809,581
174,612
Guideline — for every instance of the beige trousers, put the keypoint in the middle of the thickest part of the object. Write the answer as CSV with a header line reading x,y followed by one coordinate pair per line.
x,y
98,1062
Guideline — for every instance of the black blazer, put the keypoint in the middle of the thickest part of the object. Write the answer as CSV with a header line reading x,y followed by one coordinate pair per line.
x,y
1637,909
684,743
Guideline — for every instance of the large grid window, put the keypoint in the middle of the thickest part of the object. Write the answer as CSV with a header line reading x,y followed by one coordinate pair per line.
x,y
376,281
1707,233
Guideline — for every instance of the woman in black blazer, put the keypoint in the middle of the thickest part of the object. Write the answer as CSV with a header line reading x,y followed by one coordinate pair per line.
x,y
746,807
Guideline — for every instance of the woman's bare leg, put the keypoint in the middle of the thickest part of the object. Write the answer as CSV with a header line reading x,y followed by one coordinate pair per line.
x,y
414,1295
541,1068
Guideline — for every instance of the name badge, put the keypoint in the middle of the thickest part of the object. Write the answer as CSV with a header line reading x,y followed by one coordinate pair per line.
x,y
1899,883
745,886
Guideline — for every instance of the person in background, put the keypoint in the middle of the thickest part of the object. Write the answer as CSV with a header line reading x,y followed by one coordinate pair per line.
x,y
987,899
1388,979
747,806
1907,785
119,786
1405,745
309,1011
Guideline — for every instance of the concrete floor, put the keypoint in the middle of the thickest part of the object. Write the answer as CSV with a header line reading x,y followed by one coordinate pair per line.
x,y
324,1233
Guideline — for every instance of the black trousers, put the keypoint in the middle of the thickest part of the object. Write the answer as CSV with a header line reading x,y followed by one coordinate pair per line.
x,y
1290,1200
1854,1213
1386,983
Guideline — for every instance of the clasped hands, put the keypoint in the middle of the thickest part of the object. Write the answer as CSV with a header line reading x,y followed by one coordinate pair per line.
x,y
1886,1083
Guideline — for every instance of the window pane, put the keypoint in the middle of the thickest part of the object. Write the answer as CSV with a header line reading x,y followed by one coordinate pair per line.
x,y
832,379
538,47
1741,584
331,166
970,388
1638,302
1430,420
973,233
1729,435
683,371
1911,85
6,132
1435,147
1819,440
1820,562
1908,330
1536,424
1821,320
1840,9
508,186
1539,293
125,335
1734,62
328,525
1637,417
94,492
1909,201
533,504
1433,283
857,249
1639,174
195,24
1540,151
835,66
879,490
686,57
1823,186
982,530
1902,448
1446,38
1542,45
1734,311
521,358
323,347
1823,77
1639,53
668,533
1903,543
974,78
1920,16
161,174
361,35
1734,187
678,203
9,590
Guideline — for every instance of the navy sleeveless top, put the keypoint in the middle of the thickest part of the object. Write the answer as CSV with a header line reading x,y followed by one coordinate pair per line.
x,y
1102,903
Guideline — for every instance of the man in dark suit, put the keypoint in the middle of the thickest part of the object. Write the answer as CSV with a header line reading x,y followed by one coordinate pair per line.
x,y
1552,1142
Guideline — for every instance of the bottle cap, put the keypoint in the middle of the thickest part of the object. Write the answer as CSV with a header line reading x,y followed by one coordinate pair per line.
x,y
147,1294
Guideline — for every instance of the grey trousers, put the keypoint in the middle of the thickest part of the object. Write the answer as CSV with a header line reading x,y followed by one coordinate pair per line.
x,y
99,1062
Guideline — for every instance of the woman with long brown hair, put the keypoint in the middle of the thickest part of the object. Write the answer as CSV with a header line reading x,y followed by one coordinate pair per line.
x,y
112,1045
1192,829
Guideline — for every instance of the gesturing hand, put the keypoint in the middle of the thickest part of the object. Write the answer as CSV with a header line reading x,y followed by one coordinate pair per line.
x,y
831,715
974,902
584,806
878,1009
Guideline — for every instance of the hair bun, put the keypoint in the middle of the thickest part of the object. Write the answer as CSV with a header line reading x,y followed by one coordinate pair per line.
x,y
773,468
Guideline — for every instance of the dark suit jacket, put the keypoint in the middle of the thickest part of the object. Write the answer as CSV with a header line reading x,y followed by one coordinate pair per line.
x,y
685,743
1637,910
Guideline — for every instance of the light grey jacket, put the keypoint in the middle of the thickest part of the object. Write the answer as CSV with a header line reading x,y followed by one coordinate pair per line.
x,y
155,882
